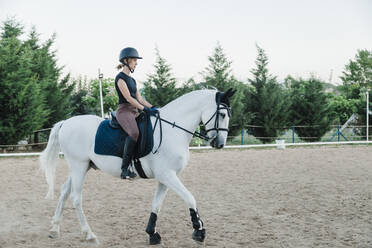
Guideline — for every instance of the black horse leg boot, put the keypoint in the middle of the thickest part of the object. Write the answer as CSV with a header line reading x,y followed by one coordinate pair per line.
x,y
129,145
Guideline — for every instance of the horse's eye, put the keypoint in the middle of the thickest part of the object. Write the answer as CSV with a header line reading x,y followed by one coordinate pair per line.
x,y
223,115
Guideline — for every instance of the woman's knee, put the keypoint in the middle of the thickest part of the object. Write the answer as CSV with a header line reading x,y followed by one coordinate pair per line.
x,y
134,134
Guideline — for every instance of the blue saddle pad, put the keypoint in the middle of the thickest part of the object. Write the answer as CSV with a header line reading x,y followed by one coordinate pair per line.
x,y
110,141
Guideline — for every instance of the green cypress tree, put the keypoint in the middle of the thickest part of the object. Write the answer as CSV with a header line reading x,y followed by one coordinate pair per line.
x,y
266,101
310,108
218,72
219,75
57,92
23,110
160,87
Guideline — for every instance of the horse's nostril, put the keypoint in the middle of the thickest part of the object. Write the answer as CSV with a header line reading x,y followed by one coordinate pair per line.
x,y
213,143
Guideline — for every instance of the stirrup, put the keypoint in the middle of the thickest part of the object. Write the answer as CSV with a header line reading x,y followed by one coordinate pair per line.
x,y
128,174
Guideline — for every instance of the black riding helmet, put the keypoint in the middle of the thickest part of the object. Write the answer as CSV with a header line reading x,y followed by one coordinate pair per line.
x,y
128,52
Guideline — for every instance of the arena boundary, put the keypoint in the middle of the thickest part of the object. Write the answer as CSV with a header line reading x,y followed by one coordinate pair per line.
x,y
226,147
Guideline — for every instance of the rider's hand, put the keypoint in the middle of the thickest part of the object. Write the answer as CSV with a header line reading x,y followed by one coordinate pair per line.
x,y
150,111
147,110
154,108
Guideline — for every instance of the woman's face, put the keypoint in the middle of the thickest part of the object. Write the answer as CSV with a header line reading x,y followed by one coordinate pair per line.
x,y
132,62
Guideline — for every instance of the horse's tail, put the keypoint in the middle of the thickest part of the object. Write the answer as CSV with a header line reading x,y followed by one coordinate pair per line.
x,y
48,158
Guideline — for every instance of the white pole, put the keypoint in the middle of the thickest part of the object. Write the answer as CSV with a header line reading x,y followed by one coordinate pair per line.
x,y
100,76
367,114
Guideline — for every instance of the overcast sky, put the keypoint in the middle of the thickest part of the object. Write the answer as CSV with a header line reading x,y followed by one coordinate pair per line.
x,y
299,37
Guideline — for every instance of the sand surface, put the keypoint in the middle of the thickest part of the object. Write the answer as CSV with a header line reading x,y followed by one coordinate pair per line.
x,y
301,197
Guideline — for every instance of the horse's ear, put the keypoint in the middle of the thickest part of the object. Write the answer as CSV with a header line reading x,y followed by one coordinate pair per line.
x,y
228,91
224,96
232,93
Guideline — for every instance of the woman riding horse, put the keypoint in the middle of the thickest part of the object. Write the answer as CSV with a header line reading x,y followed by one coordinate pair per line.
x,y
130,101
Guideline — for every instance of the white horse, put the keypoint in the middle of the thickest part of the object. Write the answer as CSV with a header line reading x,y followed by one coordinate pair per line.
x,y
76,139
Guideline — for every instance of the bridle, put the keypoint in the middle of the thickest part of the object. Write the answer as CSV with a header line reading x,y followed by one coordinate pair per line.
x,y
216,120
197,134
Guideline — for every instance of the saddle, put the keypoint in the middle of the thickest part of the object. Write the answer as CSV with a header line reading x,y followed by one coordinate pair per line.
x,y
110,138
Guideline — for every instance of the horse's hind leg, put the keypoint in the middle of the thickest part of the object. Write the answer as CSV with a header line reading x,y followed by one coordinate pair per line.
x,y
65,192
78,171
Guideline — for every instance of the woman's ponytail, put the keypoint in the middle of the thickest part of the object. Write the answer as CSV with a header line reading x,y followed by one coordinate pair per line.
x,y
119,66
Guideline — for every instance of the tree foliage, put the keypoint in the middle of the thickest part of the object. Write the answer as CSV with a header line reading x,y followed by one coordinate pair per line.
x,y
310,108
357,75
219,75
160,87
109,95
21,100
267,102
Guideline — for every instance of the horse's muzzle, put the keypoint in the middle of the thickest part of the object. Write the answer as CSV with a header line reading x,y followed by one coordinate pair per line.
x,y
215,144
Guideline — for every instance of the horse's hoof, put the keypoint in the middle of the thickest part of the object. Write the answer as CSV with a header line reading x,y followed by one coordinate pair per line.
x,y
155,239
93,241
90,237
199,235
54,232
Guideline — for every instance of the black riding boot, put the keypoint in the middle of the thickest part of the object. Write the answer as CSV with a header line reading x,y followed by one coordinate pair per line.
x,y
129,145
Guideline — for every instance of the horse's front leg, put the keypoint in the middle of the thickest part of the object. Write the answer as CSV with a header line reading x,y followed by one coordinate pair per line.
x,y
173,182
160,194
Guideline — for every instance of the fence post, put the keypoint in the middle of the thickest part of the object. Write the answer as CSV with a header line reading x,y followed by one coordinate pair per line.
x,y
338,132
242,137
293,136
36,137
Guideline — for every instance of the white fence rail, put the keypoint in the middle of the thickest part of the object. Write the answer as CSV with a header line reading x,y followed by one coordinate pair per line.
x,y
225,147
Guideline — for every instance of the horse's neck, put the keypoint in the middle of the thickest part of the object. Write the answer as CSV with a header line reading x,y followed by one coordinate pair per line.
x,y
187,110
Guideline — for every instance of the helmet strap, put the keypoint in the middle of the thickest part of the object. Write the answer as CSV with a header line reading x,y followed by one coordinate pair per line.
x,y
127,65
